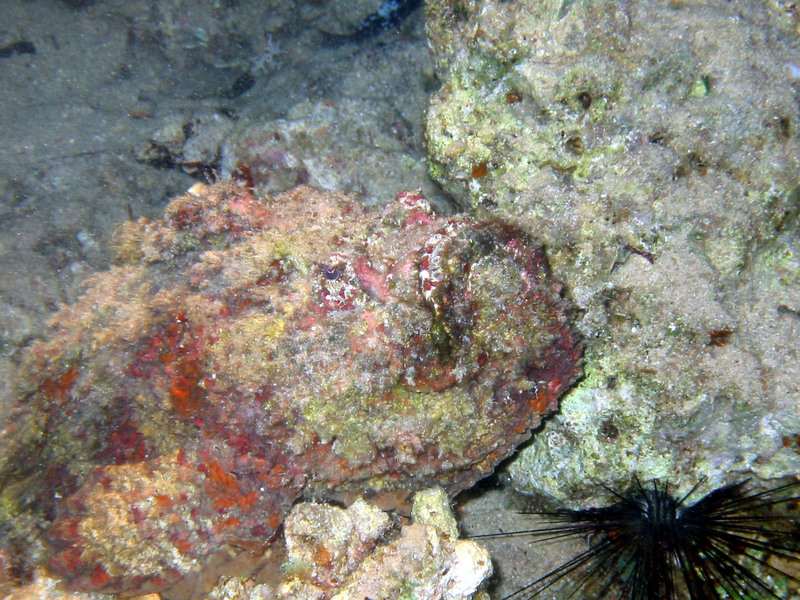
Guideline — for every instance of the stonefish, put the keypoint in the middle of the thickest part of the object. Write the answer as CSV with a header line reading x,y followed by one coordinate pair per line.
x,y
243,353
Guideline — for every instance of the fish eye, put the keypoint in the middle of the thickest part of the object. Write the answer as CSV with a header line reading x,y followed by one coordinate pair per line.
x,y
330,273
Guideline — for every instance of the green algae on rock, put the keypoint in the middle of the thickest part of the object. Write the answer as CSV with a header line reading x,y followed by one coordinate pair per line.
x,y
654,148
245,352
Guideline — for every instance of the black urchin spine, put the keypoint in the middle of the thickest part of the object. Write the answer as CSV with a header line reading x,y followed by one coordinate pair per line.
x,y
735,542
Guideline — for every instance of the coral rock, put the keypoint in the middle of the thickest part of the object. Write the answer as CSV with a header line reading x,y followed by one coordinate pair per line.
x,y
625,137
334,553
361,552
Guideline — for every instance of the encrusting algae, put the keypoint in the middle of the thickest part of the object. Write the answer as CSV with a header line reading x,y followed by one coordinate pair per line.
x,y
244,353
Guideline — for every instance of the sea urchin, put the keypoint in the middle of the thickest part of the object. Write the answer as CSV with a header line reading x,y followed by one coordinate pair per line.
x,y
735,542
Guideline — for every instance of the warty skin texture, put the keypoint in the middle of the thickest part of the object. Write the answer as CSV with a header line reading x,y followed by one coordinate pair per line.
x,y
244,353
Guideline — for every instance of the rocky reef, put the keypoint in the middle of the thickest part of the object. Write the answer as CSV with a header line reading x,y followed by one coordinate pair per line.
x,y
654,147
245,352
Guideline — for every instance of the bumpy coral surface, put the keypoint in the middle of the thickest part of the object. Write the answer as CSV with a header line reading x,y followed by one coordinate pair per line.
x,y
244,352
654,148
